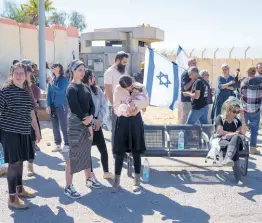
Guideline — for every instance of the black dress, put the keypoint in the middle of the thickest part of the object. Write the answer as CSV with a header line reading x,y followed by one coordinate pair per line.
x,y
129,135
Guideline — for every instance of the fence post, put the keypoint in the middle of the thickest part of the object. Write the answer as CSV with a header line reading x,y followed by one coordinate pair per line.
x,y
191,52
215,53
246,52
230,52
203,52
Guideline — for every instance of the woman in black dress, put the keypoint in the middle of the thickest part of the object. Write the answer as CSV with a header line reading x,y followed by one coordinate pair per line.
x,y
17,116
129,133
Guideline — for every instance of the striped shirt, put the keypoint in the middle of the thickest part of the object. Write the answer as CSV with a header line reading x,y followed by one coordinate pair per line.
x,y
15,108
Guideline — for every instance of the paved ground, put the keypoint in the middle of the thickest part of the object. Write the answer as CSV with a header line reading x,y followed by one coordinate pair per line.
x,y
176,193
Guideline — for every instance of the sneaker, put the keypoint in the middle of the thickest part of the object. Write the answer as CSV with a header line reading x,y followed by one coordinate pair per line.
x,y
65,149
57,148
93,182
71,192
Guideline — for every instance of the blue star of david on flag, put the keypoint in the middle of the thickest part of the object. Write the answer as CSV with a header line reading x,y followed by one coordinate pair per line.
x,y
163,78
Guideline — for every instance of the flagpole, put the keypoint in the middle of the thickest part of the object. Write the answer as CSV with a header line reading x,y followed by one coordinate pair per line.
x,y
165,58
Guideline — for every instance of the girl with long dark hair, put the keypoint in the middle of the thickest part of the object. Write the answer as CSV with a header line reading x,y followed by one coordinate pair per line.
x,y
80,133
100,110
57,106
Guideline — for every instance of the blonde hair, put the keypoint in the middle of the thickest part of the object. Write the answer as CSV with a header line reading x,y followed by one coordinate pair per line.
x,y
229,105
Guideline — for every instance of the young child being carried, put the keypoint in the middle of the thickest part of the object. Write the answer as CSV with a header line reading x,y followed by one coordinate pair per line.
x,y
137,97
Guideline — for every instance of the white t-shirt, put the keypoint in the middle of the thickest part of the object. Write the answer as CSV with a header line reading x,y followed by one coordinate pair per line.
x,y
112,76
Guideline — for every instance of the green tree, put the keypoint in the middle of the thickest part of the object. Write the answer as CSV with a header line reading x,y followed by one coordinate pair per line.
x,y
58,18
77,19
31,9
12,11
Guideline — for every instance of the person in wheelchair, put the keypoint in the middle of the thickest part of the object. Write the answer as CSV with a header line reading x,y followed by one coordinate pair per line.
x,y
231,130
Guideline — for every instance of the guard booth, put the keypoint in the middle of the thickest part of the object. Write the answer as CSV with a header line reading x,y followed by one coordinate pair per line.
x,y
99,62
132,40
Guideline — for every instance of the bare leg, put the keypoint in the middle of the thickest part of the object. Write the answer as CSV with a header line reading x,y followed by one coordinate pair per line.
x,y
69,176
88,173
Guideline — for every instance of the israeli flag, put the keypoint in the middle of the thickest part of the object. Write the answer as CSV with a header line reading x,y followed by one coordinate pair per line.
x,y
161,80
182,62
181,59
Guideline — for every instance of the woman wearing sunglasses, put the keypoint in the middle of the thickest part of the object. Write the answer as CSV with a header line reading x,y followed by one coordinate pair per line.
x,y
230,129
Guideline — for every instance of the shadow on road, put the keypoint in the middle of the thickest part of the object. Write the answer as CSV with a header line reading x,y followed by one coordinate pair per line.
x,y
129,207
41,214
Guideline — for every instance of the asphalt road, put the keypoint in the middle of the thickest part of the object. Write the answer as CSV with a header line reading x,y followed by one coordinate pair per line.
x,y
179,190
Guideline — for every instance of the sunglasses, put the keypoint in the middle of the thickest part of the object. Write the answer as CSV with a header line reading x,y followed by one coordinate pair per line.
x,y
236,112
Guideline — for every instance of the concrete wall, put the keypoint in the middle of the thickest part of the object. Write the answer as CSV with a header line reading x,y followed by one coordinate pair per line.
x,y
72,43
60,39
29,42
20,41
49,45
9,46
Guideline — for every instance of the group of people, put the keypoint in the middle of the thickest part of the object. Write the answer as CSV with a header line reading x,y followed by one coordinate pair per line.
x,y
77,107
239,96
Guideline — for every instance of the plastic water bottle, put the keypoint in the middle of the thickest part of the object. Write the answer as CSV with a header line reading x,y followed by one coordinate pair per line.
x,y
2,160
181,140
146,171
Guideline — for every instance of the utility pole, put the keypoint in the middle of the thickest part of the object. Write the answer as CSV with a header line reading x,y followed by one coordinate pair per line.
x,y
41,42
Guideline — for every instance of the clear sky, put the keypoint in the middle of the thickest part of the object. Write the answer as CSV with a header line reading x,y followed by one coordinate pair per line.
x,y
189,23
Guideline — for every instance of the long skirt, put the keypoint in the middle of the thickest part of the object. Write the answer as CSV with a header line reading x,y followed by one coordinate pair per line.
x,y
79,145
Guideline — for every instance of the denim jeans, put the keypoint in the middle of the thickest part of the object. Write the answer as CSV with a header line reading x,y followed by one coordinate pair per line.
x,y
60,121
198,115
253,119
